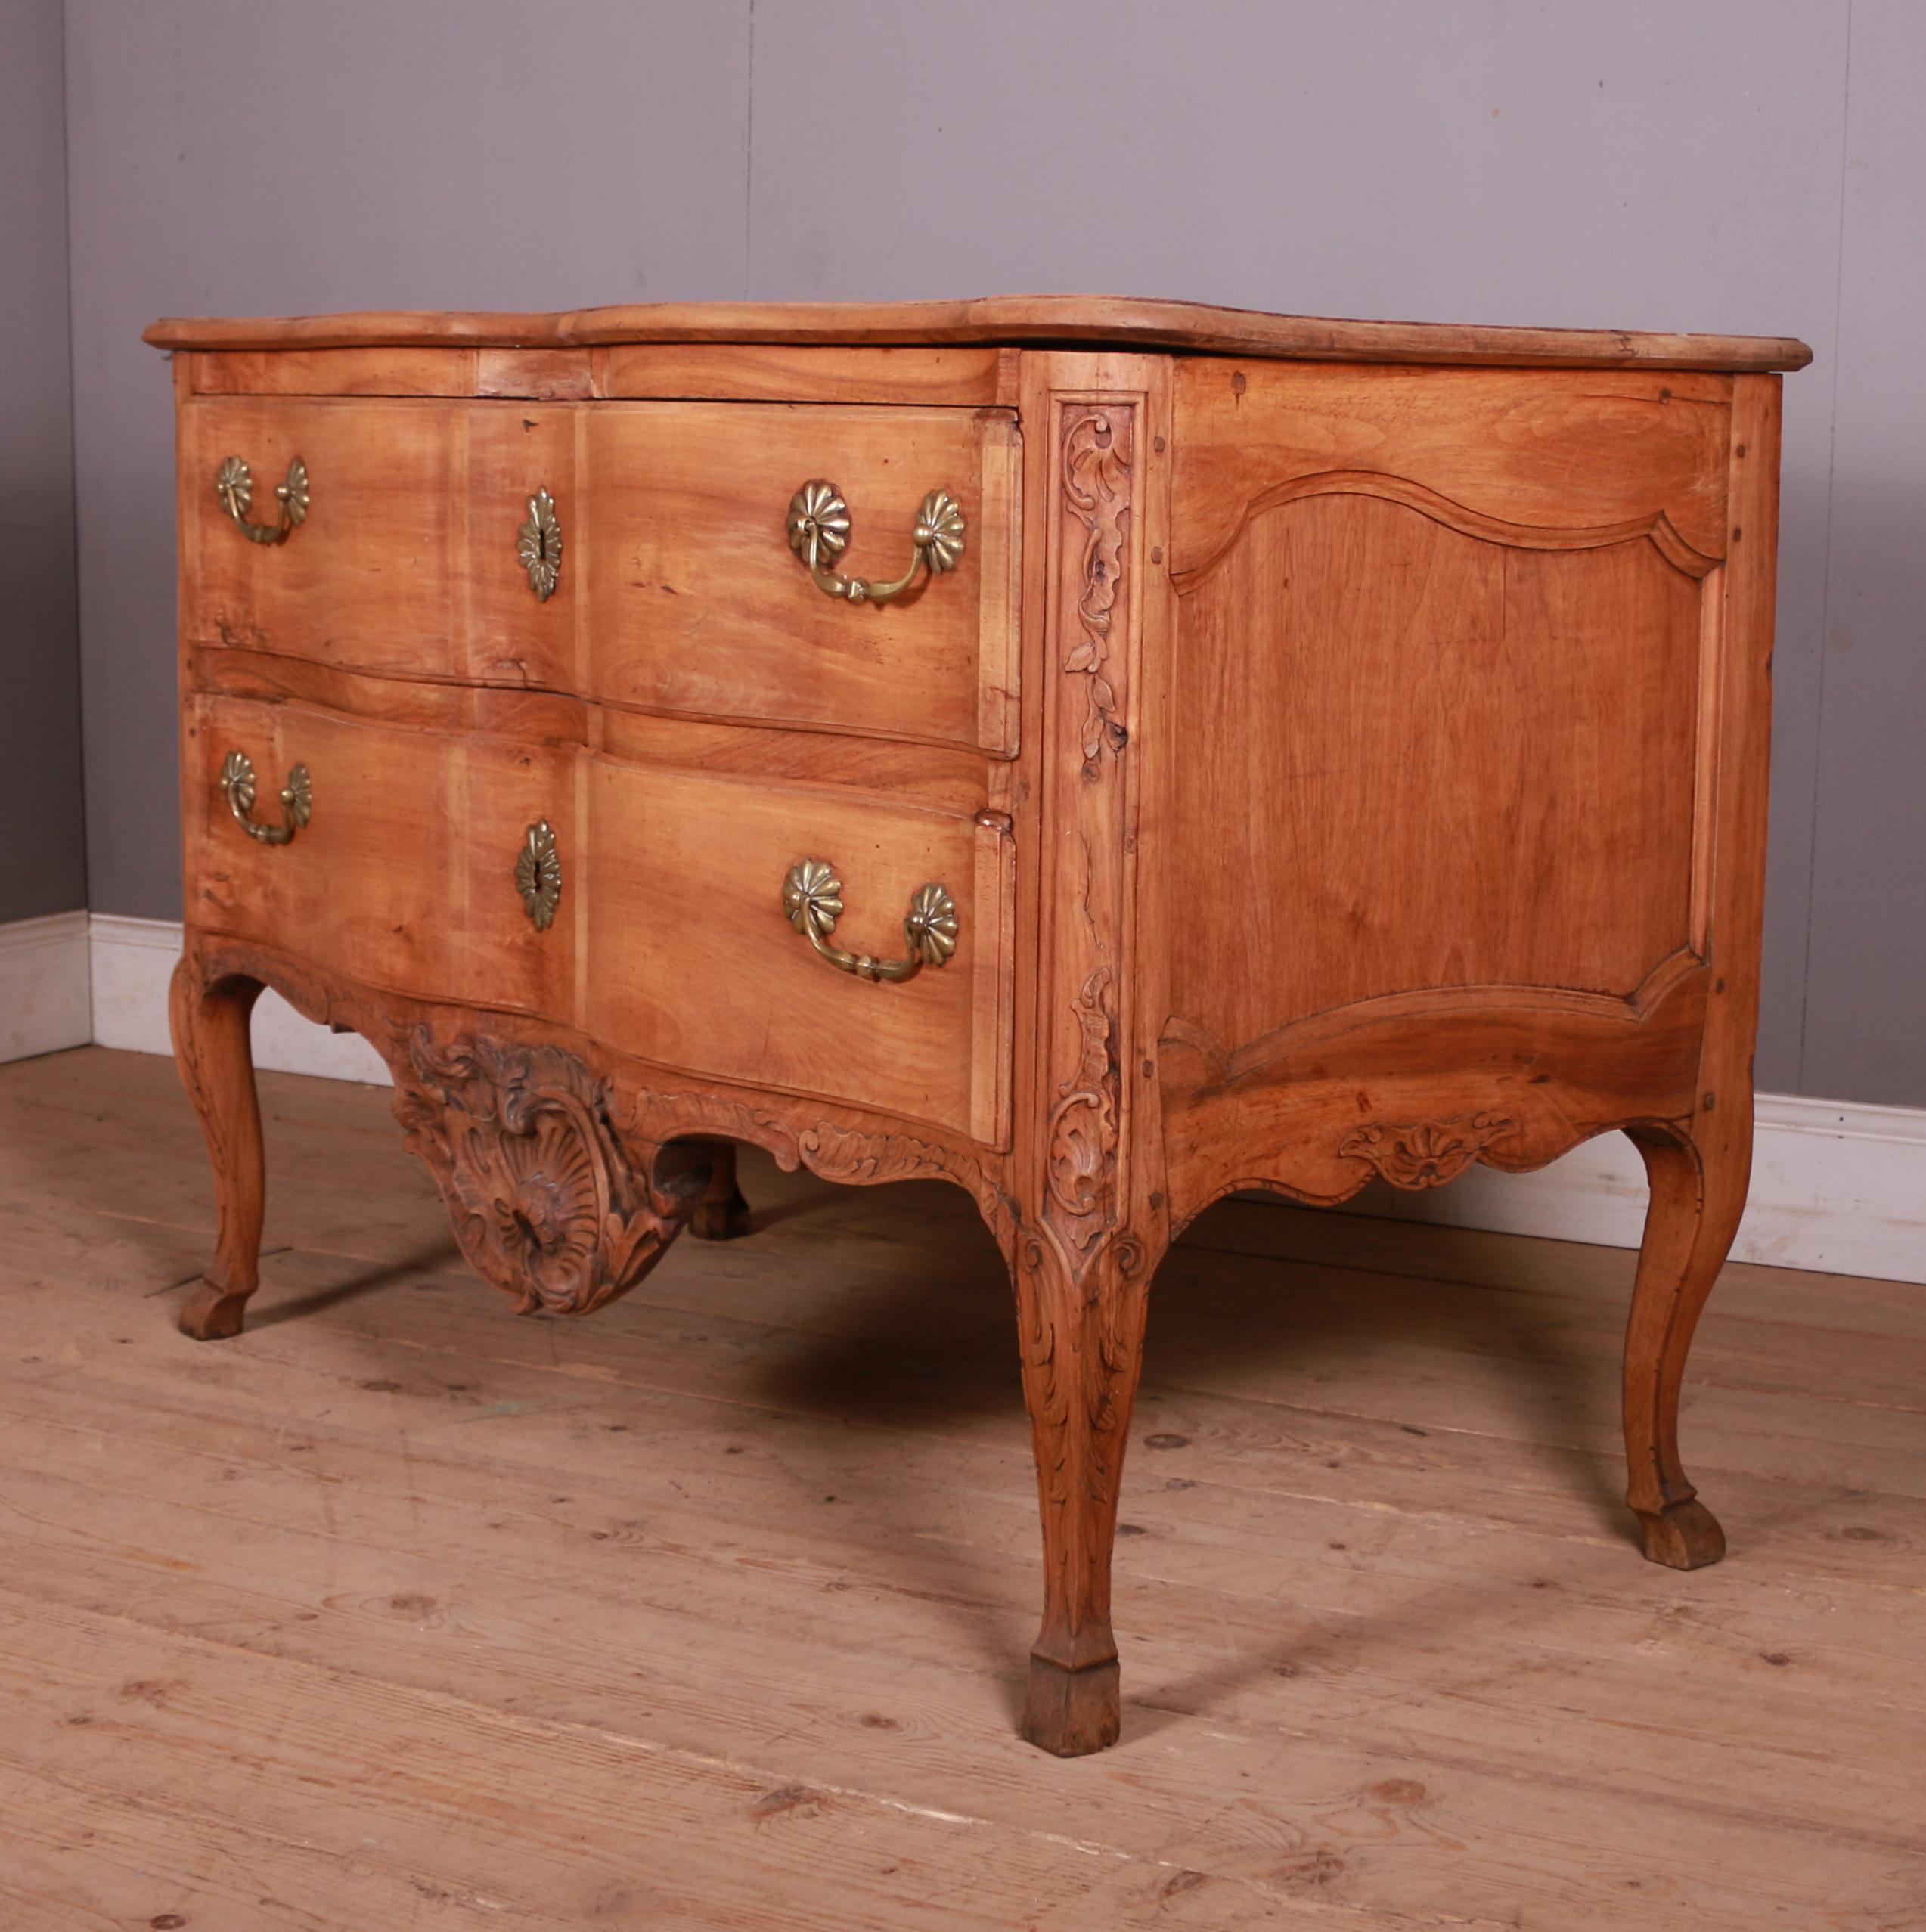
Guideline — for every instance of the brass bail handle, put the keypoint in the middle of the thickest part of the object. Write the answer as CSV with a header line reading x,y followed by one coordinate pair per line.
x,y
234,484
812,903
819,534
297,800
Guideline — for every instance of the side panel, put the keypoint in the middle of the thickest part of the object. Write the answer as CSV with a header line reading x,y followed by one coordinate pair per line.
x,y
1446,720
1423,758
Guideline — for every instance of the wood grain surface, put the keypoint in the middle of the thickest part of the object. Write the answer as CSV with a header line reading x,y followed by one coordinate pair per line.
x,y
698,606
1091,321
404,876
689,964
735,1581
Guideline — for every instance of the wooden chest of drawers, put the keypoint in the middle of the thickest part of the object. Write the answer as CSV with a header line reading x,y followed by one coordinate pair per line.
x,y
1258,752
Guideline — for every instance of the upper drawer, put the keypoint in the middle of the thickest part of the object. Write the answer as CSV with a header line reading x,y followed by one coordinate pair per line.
x,y
677,590
701,607
407,563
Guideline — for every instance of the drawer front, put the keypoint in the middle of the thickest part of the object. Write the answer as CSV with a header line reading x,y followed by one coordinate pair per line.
x,y
701,608
404,876
408,563
691,963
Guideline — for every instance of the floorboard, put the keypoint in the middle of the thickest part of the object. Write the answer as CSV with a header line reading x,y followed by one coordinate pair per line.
x,y
711,1611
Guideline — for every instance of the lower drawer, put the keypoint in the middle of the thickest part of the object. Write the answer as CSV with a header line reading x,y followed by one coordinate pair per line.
x,y
691,962
403,876
669,940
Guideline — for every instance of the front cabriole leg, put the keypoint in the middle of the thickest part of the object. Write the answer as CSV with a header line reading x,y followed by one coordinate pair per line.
x,y
1081,1320
548,1201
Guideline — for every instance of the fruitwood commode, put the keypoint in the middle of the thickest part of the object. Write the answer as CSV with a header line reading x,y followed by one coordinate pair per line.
x,y
1256,752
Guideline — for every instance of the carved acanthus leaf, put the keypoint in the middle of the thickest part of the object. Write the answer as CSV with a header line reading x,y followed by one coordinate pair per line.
x,y
1427,1153
1097,468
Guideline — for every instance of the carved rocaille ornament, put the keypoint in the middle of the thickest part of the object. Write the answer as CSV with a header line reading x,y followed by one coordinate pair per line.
x,y
546,1201
1427,1153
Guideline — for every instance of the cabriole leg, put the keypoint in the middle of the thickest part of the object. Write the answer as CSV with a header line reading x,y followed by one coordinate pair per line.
x,y
1698,1195
1082,1332
209,1021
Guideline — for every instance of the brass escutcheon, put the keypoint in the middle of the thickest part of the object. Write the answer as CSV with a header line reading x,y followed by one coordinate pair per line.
x,y
538,875
538,544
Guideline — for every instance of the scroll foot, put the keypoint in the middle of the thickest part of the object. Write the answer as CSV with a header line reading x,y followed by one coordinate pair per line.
x,y
1684,1536
210,1315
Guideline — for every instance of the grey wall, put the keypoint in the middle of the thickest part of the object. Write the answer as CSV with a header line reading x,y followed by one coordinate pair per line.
x,y
45,867
1734,165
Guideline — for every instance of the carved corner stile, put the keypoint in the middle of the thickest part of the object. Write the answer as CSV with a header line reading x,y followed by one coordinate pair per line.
x,y
1083,1200
1080,1157
1090,1231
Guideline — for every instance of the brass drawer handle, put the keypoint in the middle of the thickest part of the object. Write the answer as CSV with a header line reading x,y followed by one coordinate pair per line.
x,y
296,799
819,533
538,875
538,544
812,902
234,484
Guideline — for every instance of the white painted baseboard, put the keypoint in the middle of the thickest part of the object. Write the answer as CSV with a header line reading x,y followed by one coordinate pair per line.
x,y
1837,1187
132,961
43,986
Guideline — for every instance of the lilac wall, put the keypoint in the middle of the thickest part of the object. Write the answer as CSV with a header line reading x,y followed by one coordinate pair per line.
x,y
1741,165
252,158
43,869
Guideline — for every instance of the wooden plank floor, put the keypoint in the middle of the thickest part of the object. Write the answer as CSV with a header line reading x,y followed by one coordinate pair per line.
x,y
712,1611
